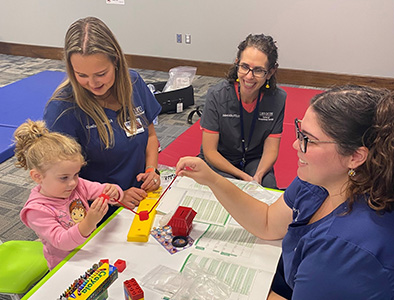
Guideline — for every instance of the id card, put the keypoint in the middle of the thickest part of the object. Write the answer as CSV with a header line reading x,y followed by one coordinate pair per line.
x,y
139,128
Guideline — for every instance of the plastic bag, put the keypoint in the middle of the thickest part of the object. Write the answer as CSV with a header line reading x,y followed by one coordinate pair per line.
x,y
193,283
198,284
163,279
180,77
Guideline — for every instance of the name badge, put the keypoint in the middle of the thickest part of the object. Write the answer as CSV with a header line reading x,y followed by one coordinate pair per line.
x,y
179,107
140,128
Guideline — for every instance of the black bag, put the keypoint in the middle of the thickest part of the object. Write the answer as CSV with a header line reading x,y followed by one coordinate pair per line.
x,y
197,110
174,101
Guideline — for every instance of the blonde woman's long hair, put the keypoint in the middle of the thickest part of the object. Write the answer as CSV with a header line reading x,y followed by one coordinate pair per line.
x,y
89,36
37,148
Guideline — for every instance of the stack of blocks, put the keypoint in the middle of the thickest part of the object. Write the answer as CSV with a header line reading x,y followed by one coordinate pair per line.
x,y
132,290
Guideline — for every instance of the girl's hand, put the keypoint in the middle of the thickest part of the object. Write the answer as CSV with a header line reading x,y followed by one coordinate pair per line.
x,y
112,192
96,212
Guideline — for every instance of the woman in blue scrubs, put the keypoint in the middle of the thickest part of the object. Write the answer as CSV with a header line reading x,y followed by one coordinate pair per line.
x,y
109,110
336,218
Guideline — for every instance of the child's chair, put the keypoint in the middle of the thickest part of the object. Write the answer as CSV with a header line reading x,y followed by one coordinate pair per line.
x,y
22,264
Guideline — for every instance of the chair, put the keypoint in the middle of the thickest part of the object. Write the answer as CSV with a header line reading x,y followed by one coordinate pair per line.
x,y
22,265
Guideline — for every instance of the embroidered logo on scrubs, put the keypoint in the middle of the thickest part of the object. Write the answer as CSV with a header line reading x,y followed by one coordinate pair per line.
x,y
230,116
140,127
95,126
266,116
77,211
138,111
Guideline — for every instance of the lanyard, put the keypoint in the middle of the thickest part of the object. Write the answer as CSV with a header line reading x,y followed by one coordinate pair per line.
x,y
241,115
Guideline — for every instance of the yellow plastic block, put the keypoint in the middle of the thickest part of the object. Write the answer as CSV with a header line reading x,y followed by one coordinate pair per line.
x,y
154,194
140,230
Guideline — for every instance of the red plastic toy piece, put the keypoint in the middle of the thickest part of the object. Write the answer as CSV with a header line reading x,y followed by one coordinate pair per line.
x,y
144,215
104,261
104,196
181,221
120,264
133,290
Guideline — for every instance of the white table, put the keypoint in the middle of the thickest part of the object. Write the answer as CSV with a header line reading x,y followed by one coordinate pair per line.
x,y
111,243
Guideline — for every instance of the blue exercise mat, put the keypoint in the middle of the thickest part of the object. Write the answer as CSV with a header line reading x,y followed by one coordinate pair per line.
x,y
6,146
22,100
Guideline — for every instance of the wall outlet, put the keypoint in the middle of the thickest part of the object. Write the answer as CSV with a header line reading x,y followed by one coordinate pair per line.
x,y
188,38
179,38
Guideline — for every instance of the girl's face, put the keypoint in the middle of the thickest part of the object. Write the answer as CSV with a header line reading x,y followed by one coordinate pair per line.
x,y
60,179
250,84
321,164
95,72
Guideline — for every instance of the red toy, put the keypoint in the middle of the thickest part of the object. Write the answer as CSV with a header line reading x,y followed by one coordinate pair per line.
x,y
104,261
132,290
120,264
144,215
104,196
181,221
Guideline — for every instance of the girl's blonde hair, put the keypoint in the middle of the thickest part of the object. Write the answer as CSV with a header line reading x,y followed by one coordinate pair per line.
x,y
37,148
90,36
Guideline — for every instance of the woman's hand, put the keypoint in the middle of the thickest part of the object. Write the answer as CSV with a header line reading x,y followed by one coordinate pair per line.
x,y
151,181
246,177
257,178
133,196
196,169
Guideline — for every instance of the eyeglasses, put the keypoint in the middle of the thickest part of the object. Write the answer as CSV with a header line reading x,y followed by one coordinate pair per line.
x,y
304,140
256,72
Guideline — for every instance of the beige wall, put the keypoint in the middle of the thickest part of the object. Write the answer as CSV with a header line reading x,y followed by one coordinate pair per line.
x,y
354,37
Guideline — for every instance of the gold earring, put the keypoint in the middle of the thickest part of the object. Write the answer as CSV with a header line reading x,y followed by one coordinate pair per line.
x,y
351,173
267,86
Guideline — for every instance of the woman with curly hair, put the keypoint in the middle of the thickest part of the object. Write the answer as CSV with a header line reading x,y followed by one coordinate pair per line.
x,y
242,120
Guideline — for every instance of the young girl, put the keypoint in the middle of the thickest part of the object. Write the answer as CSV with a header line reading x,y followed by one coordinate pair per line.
x,y
57,209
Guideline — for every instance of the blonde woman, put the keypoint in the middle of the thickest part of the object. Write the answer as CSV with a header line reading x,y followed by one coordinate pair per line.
x,y
109,110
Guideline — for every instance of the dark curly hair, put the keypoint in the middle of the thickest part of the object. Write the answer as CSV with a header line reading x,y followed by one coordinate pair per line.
x,y
265,44
357,116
